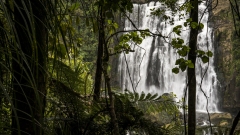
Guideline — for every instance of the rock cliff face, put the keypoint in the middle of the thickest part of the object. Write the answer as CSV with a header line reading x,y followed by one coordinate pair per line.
x,y
224,61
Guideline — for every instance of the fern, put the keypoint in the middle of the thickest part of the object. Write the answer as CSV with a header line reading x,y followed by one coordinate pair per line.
x,y
157,108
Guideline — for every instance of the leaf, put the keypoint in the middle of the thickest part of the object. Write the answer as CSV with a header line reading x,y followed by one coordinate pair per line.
x,y
74,6
175,70
183,67
201,26
178,61
209,54
194,25
182,52
148,96
176,29
191,65
154,96
189,20
142,96
136,96
109,21
200,53
180,41
205,59
131,95
115,25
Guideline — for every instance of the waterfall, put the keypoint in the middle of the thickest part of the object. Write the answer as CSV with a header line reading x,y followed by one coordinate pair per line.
x,y
149,68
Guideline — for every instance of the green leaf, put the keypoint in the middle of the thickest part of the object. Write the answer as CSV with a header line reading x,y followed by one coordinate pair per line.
x,y
209,54
176,29
175,70
136,96
74,7
182,52
201,26
200,53
180,41
142,96
178,61
115,25
189,20
205,59
194,25
109,21
148,96
183,66
154,96
190,65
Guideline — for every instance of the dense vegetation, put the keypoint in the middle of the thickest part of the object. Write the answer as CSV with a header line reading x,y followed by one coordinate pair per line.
x,y
50,52
55,70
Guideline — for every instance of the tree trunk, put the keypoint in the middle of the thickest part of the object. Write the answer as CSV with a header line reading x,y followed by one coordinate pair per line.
x,y
191,71
29,67
111,100
99,70
2,53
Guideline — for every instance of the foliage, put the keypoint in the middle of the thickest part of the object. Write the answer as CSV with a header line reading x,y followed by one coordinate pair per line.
x,y
131,37
71,46
183,50
161,110
69,114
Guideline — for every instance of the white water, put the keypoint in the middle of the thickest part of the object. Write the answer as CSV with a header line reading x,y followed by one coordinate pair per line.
x,y
150,69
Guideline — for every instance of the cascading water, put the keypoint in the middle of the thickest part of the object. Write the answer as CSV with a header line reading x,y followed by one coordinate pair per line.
x,y
149,68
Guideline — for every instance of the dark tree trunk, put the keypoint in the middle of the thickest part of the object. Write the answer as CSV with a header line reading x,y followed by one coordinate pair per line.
x,y
2,46
191,71
29,67
99,70
235,123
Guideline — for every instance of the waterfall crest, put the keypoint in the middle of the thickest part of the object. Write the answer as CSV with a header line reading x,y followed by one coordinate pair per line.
x,y
149,68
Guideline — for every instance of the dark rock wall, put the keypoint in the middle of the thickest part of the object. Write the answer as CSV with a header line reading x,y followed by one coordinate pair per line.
x,y
229,92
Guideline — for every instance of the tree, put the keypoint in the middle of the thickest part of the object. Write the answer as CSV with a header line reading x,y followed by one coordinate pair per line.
x,y
101,42
29,66
191,76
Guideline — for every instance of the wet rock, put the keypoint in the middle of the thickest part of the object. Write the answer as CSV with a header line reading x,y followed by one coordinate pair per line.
x,y
224,124
221,118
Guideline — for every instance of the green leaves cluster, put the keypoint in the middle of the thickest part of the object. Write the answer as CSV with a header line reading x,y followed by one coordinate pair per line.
x,y
204,55
126,39
177,29
112,26
177,43
193,25
153,103
183,50
182,64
